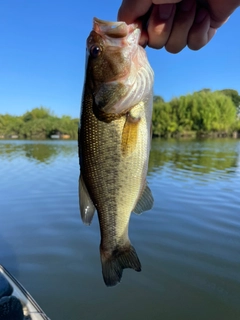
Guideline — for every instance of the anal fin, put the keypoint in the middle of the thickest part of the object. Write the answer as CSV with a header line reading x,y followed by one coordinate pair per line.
x,y
145,202
86,205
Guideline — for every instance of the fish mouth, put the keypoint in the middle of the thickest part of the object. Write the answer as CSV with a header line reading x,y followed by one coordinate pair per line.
x,y
117,29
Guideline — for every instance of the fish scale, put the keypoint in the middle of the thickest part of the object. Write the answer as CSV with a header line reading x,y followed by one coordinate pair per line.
x,y
114,145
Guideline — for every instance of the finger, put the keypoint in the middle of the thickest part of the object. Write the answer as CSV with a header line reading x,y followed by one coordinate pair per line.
x,y
165,1
183,21
160,25
131,10
219,10
201,32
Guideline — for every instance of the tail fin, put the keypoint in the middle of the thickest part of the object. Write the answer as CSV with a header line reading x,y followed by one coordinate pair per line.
x,y
113,265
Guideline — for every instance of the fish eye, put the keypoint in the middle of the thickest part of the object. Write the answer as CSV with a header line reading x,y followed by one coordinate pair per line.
x,y
95,51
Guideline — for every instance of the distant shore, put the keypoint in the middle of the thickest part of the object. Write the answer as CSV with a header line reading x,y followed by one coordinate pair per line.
x,y
204,113
195,134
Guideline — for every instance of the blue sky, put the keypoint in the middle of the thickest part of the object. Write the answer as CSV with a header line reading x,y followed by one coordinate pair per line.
x,y
42,56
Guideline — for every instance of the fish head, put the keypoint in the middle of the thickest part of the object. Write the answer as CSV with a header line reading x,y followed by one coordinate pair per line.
x,y
116,66
110,48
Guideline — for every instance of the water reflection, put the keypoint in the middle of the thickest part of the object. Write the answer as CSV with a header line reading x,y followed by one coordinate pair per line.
x,y
198,156
38,151
188,243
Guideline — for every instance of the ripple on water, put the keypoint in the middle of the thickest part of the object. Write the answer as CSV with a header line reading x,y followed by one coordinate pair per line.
x,y
188,243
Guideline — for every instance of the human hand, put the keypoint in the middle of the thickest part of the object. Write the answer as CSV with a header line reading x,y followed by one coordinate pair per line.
x,y
173,24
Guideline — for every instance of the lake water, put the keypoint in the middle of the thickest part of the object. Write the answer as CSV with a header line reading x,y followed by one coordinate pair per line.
x,y
188,244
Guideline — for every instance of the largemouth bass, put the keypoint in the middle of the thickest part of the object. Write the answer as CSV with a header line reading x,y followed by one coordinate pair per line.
x,y
114,140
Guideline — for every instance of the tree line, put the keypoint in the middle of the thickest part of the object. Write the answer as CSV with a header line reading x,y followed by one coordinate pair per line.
x,y
39,123
203,112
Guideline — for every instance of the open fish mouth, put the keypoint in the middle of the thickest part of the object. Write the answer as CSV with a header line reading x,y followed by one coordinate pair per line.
x,y
129,33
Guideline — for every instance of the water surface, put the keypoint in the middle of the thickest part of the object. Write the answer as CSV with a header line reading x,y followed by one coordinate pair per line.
x,y
188,244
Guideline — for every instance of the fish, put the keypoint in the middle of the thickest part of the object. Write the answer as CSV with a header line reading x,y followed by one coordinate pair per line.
x,y
114,140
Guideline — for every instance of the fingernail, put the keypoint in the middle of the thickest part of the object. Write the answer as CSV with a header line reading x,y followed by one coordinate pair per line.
x,y
200,16
186,5
165,11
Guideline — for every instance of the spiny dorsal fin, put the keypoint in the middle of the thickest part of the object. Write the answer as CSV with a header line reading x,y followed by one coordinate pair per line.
x,y
145,202
86,205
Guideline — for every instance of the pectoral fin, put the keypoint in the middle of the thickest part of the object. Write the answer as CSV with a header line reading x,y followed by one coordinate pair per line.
x,y
145,202
86,205
129,135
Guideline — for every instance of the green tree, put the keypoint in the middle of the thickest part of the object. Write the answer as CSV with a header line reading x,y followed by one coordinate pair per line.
x,y
10,125
157,99
203,111
233,94
37,113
